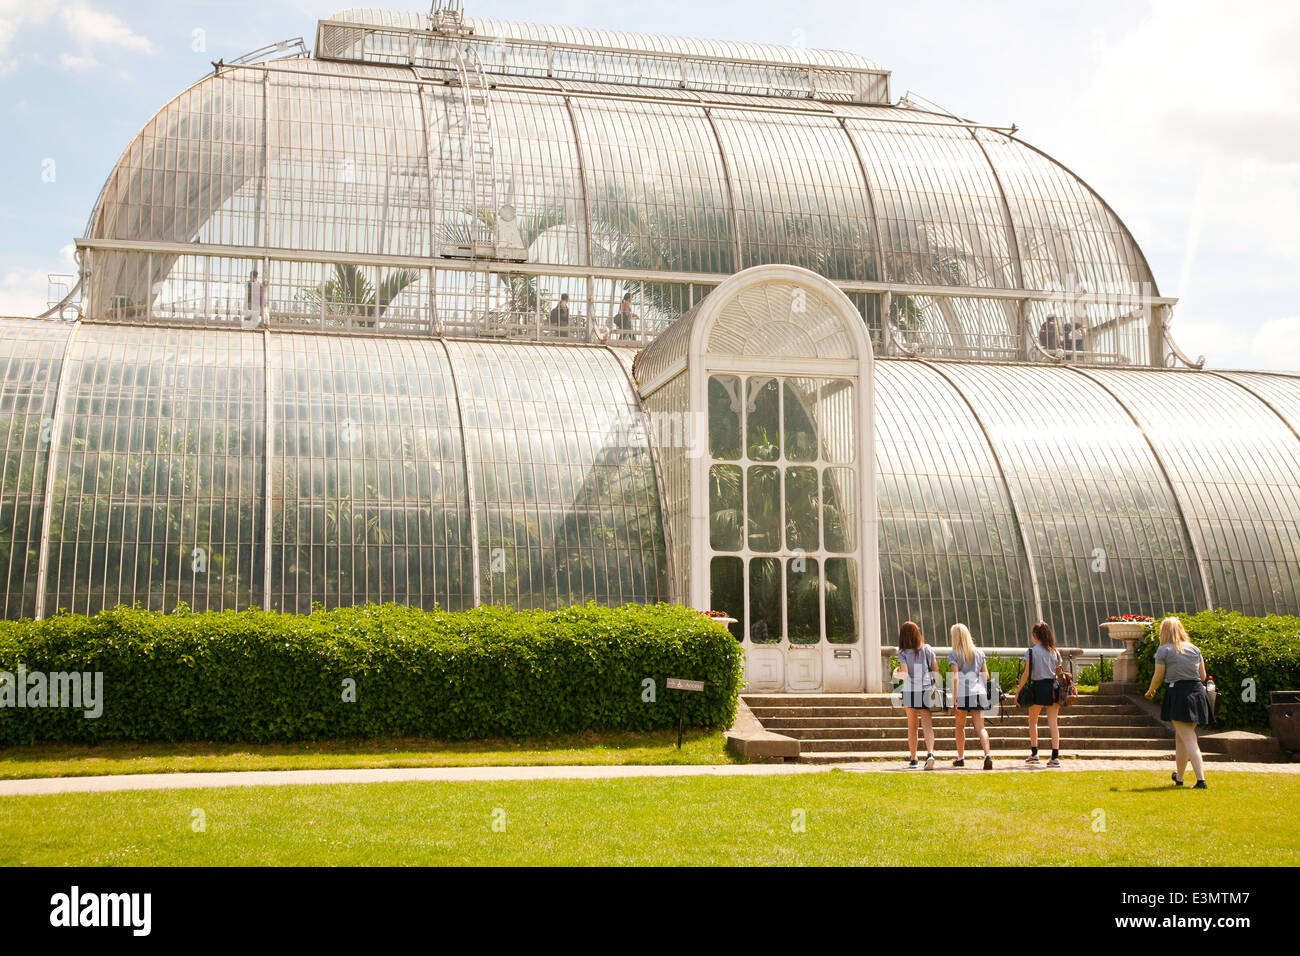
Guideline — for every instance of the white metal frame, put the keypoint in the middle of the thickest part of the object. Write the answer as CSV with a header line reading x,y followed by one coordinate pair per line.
x,y
700,364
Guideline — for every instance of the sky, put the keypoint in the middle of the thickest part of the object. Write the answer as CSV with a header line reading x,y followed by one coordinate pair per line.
x,y
1184,115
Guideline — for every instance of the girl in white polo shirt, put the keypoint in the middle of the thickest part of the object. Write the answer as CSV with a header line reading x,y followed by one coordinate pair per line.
x,y
1042,667
967,665
1180,666
919,670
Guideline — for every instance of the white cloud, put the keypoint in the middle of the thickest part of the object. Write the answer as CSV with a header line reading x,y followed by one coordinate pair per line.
x,y
69,62
25,292
1277,343
1200,104
83,24
92,27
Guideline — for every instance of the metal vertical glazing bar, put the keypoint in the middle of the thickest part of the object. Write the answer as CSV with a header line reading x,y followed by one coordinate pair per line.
x,y
1030,561
468,458
436,327
1022,334
268,131
1013,241
731,190
433,248
1164,472
886,323
871,202
1256,395
579,152
51,463
661,489
268,495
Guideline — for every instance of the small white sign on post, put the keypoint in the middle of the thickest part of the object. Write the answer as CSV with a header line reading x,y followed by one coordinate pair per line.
x,y
677,683
680,684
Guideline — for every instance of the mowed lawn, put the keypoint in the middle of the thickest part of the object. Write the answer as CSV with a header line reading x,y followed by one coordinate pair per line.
x,y
838,817
82,760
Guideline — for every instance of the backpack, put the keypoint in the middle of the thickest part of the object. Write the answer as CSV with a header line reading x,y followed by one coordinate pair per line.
x,y
1067,691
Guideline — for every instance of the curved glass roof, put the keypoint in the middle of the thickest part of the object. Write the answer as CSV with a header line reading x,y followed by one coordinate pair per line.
x,y
309,164
426,471
326,157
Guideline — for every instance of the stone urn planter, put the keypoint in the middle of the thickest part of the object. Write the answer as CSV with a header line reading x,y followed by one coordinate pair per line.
x,y
1130,632
1284,718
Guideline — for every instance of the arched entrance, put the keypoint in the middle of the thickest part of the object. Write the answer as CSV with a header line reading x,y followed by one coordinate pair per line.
x,y
780,529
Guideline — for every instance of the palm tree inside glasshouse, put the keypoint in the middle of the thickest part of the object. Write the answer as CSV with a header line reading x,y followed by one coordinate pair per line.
x,y
349,292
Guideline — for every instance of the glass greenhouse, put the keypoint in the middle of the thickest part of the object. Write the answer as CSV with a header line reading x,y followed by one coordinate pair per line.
x,y
458,311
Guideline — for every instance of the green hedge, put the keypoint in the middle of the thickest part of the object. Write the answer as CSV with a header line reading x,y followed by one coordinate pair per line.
x,y
1265,650
262,676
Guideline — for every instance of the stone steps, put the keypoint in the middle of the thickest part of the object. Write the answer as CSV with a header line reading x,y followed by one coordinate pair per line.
x,y
841,728
1001,759
782,722
1119,709
1077,735
1020,744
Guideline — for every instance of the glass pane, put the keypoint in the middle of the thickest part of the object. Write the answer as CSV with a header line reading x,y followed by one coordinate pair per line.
x,y
764,490
839,503
724,417
724,507
762,427
803,601
841,600
727,591
837,417
800,431
801,509
764,600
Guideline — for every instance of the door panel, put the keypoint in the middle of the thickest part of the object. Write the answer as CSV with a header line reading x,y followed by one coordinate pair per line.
x,y
803,669
844,669
765,669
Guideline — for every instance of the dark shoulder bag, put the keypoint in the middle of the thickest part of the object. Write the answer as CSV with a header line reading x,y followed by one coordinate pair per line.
x,y
1026,695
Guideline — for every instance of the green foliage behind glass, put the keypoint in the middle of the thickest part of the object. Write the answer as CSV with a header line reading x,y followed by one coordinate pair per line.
x,y
263,676
1237,649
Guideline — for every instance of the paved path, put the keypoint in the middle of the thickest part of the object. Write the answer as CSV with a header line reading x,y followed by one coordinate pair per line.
x,y
276,778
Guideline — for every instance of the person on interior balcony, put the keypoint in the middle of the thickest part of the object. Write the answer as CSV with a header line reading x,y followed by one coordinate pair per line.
x,y
625,319
254,301
560,314
1049,333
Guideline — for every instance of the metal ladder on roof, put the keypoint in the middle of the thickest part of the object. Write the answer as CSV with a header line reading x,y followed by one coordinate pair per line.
x,y
478,155
492,231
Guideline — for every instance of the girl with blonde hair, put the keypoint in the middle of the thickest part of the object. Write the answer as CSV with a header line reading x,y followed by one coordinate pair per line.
x,y
1181,668
971,697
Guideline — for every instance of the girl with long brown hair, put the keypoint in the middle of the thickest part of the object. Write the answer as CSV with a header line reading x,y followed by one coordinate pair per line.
x,y
1042,668
918,668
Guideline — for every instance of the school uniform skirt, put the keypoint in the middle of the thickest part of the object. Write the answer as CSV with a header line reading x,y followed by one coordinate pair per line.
x,y
916,699
1044,692
973,697
1186,701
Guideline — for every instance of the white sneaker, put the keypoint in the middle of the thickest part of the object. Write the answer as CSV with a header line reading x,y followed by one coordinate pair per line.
x,y
1053,762
1033,761
929,762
